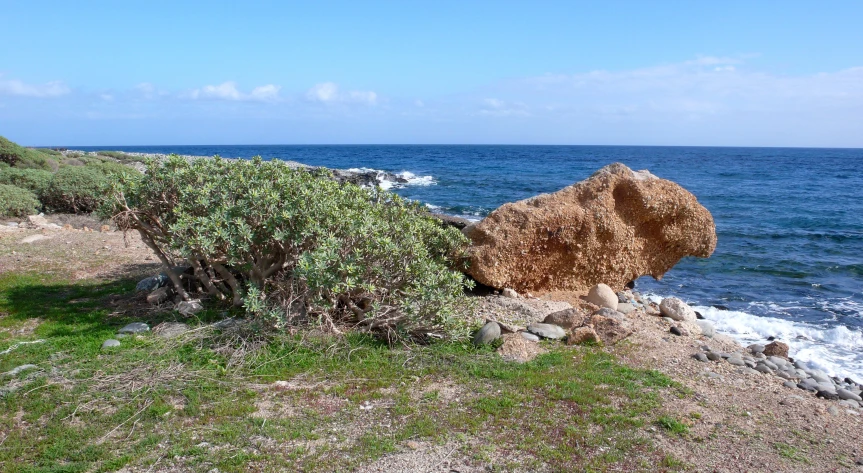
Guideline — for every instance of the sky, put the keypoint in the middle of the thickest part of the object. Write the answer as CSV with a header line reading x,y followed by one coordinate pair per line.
x,y
731,73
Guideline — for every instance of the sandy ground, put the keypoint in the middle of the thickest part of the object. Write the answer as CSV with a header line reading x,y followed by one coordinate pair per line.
x,y
737,422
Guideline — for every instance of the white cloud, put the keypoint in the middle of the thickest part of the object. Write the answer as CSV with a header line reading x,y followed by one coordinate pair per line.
x,y
229,91
22,89
328,92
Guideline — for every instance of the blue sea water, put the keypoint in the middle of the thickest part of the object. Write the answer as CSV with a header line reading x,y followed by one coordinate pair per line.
x,y
789,262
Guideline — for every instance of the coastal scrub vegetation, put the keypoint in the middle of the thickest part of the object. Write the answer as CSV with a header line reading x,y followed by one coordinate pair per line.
x,y
58,182
17,202
292,245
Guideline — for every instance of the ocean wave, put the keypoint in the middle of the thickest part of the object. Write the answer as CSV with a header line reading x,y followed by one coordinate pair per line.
x,y
387,180
836,350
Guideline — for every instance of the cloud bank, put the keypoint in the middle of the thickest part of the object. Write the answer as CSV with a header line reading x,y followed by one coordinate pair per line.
x,y
18,88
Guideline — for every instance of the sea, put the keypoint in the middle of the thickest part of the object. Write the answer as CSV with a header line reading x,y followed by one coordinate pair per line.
x,y
789,258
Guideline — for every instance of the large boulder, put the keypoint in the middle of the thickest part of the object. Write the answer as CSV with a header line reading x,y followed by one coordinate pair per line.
x,y
611,228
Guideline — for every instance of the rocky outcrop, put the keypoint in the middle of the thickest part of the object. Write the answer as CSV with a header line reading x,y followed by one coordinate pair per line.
x,y
611,228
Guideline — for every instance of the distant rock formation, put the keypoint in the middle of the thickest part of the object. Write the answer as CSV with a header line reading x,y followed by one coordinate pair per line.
x,y
611,228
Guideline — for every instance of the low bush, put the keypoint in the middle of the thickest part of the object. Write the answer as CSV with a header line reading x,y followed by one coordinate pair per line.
x,y
75,189
17,202
293,245
120,156
34,180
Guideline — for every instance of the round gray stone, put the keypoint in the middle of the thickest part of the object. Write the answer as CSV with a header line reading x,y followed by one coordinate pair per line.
x,y
110,343
713,356
846,394
789,384
755,348
551,331
736,361
819,376
487,334
611,314
700,357
529,336
762,368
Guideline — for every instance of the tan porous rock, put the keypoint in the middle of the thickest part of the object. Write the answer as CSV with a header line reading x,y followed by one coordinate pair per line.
x,y
611,228
582,335
610,330
602,296
776,348
516,348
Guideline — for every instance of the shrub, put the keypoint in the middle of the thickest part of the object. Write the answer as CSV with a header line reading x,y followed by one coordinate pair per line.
x,y
75,189
21,157
34,180
289,243
17,202
120,156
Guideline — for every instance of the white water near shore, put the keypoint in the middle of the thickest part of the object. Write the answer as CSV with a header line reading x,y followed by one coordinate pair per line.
x,y
836,350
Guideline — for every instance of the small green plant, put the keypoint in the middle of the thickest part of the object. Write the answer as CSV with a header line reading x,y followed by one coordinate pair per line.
x,y
290,244
17,202
672,425
791,452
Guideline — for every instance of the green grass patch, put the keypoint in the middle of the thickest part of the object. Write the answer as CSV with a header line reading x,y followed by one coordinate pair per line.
x,y
204,402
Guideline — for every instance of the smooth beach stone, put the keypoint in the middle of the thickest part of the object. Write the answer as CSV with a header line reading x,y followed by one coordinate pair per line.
x,y
769,364
487,334
784,375
755,348
819,376
830,396
789,384
529,336
846,394
603,296
625,308
509,293
707,328
701,357
778,361
826,387
761,368
547,330
736,361
135,327
749,371
675,331
713,356
110,343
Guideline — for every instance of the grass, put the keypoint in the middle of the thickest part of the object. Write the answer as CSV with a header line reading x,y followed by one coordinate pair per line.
x,y
791,452
205,400
672,425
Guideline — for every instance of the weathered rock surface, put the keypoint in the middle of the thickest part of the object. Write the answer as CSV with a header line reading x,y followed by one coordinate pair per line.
x,y
189,308
610,330
677,309
776,349
582,335
611,228
516,348
566,319
135,327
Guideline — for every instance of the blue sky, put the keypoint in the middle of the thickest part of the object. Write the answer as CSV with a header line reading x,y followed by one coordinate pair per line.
x,y
542,72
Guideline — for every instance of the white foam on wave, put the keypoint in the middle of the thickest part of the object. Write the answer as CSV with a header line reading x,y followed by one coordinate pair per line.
x,y
386,183
837,350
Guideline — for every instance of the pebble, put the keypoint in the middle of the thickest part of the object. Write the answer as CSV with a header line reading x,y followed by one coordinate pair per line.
x,y
509,293
675,331
713,356
846,394
487,334
529,336
135,327
700,357
110,343
553,332
833,410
